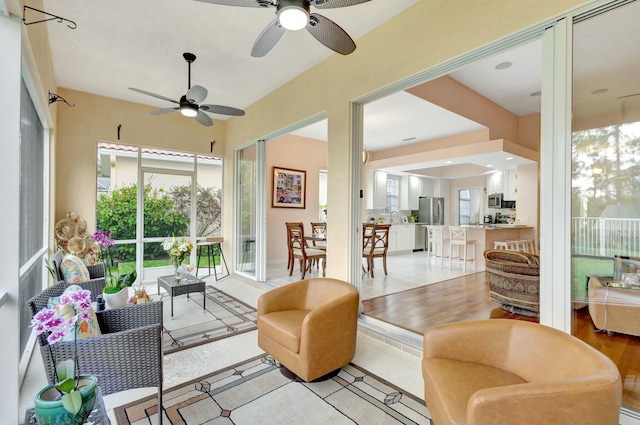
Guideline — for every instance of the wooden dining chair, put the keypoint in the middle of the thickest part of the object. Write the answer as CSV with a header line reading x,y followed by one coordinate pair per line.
x,y
375,243
319,229
298,249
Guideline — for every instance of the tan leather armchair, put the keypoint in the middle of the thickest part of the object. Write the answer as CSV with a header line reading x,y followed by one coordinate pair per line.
x,y
309,326
614,309
515,372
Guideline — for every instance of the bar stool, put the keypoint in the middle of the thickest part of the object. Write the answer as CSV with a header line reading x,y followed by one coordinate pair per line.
x,y
458,237
210,246
435,243
501,245
527,245
513,245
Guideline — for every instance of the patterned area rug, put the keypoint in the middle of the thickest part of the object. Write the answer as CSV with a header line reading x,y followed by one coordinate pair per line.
x,y
192,325
255,392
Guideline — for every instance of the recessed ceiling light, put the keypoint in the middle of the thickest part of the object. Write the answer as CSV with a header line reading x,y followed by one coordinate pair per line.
x,y
448,162
509,158
504,65
535,94
599,91
489,165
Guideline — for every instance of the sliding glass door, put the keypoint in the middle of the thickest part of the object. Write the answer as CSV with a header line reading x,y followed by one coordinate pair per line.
x,y
605,196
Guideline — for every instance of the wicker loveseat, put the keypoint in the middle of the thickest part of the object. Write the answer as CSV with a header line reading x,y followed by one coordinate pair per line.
x,y
127,355
514,280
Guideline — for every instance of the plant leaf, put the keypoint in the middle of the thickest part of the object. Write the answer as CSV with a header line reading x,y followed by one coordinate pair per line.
x,y
72,402
67,385
65,369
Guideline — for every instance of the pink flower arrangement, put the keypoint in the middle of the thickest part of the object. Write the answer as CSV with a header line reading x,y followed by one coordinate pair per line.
x,y
58,326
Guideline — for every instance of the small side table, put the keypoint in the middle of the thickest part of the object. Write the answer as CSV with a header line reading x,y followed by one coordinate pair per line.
x,y
187,285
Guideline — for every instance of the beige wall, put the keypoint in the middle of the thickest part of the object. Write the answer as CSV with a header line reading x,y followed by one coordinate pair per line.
x,y
527,198
297,153
96,118
453,96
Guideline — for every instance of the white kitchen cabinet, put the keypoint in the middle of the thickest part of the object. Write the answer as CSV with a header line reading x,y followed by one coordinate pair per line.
x,y
401,238
441,188
410,187
393,239
376,190
413,192
510,184
495,183
426,187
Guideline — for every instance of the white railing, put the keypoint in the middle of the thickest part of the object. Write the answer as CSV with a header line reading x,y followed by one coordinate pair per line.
x,y
605,237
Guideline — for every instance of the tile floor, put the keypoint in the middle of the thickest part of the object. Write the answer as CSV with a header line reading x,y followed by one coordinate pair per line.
x,y
405,271
391,363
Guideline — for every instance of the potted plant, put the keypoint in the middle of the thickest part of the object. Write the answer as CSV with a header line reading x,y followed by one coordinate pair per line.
x,y
116,290
71,398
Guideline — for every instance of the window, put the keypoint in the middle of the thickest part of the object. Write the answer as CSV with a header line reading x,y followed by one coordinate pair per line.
x,y
181,196
393,193
32,205
464,206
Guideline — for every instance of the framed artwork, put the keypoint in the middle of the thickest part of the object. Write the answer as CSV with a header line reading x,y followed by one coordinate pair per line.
x,y
289,188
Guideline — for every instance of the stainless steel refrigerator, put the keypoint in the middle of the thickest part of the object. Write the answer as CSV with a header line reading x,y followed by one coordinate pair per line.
x,y
431,210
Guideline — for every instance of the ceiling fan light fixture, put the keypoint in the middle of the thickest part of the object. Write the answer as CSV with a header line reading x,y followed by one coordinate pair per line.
x,y
188,110
293,14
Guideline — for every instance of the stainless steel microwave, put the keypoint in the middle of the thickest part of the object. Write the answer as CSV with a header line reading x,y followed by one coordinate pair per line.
x,y
494,200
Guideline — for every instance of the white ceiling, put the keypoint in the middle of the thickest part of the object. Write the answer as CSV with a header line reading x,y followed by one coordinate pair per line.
x,y
137,43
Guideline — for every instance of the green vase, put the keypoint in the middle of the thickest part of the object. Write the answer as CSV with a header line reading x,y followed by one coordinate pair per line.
x,y
49,409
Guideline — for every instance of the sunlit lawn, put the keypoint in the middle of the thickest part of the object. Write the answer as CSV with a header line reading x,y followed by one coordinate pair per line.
x,y
581,267
129,266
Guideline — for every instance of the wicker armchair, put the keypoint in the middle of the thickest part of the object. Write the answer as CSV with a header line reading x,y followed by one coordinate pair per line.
x,y
95,271
514,280
127,355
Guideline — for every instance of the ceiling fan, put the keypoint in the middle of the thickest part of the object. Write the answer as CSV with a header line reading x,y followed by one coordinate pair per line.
x,y
294,15
189,103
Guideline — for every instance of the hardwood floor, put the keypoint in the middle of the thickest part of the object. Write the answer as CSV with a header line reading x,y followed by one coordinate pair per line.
x,y
456,300
467,298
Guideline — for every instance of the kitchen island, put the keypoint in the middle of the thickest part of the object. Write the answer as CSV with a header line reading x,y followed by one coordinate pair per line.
x,y
485,235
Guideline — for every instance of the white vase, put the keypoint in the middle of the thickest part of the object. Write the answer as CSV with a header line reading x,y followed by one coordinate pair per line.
x,y
117,300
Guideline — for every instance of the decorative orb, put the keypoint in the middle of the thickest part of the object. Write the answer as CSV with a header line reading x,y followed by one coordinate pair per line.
x,y
76,245
65,229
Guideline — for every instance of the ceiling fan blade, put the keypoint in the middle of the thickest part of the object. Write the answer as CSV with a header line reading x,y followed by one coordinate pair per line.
x,y
159,96
241,3
331,4
224,110
204,119
330,34
267,39
163,111
196,94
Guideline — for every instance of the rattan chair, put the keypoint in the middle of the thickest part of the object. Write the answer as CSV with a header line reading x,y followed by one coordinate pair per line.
x,y
127,355
96,271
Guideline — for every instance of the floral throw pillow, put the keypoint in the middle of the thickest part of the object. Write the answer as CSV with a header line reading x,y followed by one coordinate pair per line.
x,y
86,327
73,269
